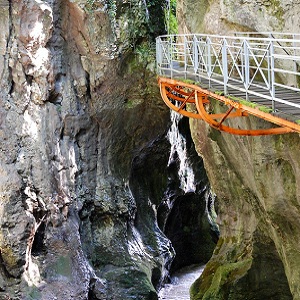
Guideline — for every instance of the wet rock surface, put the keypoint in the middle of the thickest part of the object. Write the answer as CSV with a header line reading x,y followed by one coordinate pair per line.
x,y
84,154
255,179
189,231
77,106
257,209
184,213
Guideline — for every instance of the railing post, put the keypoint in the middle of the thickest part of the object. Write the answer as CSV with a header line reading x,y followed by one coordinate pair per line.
x,y
246,68
195,56
295,61
225,65
170,50
208,56
185,55
294,52
208,59
158,55
269,67
272,86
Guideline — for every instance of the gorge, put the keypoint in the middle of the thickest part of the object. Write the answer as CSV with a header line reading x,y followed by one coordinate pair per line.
x,y
92,203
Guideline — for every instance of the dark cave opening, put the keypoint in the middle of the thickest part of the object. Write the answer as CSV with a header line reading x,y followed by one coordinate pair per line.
x,y
156,277
38,246
188,229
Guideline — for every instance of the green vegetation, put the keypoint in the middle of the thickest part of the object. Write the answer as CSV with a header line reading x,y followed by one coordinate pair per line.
x,y
262,108
276,10
243,101
156,22
34,293
129,103
220,93
145,58
170,17
265,109
218,279
188,81
8,256
145,52
224,274
90,5
112,9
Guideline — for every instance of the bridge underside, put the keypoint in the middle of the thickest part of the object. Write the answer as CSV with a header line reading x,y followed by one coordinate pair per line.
x,y
194,102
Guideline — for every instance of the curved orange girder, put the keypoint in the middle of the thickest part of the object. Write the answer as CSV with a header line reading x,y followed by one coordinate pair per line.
x,y
199,96
166,94
213,123
177,98
179,89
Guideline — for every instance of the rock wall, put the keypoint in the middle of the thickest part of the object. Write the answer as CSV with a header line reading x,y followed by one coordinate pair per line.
x,y
256,182
77,108
228,16
256,179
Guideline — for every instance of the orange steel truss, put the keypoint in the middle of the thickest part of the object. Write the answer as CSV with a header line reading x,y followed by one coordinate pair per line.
x,y
184,93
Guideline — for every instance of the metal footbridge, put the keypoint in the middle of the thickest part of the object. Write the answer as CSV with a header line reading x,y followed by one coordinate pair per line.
x,y
217,78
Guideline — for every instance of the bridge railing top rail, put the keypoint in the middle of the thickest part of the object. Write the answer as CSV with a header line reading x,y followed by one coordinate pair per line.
x,y
278,37
288,35
267,68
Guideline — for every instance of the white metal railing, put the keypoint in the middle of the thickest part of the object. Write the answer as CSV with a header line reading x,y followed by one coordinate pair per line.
x,y
264,65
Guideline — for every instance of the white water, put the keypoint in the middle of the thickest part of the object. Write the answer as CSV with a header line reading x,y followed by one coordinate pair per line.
x,y
181,283
178,146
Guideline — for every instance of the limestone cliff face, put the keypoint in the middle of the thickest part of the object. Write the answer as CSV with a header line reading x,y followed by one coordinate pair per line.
x,y
228,16
256,179
77,102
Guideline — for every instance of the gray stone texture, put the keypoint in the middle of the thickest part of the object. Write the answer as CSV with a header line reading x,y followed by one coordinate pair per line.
x,y
75,109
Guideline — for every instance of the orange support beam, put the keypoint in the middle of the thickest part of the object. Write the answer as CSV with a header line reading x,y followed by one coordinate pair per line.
x,y
177,91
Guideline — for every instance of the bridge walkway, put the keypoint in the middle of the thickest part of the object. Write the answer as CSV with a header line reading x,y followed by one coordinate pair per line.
x,y
252,71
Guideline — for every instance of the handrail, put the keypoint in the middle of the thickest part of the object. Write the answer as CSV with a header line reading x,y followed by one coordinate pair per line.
x,y
245,37
254,68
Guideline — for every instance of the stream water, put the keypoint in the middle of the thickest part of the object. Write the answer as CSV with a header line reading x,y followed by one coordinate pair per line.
x,y
180,284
